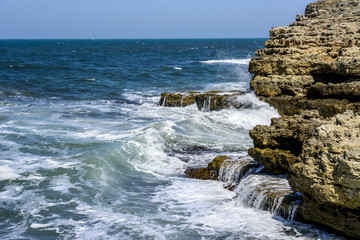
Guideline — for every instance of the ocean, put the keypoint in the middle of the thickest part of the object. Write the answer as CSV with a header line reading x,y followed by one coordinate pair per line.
x,y
86,152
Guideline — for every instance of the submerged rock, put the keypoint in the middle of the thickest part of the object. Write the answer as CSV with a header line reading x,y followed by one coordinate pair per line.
x,y
310,72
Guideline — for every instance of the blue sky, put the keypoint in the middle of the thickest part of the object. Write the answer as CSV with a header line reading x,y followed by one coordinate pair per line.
x,y
145,18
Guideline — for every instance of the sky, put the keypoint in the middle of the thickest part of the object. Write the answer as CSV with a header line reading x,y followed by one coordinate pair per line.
x,y
126,19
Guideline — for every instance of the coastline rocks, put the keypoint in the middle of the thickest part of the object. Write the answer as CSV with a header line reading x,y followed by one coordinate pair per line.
x,y
216,100
208,101
178,99
269,193
310,72
321,158
210,172
327,173
253,188
316,57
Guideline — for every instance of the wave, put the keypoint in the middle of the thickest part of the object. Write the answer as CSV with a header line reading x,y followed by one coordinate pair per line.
x,y
228,61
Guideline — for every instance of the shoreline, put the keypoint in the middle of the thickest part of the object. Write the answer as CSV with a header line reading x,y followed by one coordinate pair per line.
x,y
314,142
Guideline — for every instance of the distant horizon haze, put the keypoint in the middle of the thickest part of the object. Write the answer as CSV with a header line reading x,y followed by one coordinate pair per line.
x,y
140,19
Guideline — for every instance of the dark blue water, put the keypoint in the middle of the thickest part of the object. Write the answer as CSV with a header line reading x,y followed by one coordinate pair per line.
x,y
86,152
64,69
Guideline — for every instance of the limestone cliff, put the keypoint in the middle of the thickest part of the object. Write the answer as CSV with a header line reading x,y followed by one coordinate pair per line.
x,y
316,57
310,72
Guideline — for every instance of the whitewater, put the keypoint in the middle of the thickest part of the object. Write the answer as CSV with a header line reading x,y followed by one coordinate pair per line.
x,y
86,152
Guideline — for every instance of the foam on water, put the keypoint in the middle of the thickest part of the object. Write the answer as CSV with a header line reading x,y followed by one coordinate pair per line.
x,y
86,152
6,171
228,61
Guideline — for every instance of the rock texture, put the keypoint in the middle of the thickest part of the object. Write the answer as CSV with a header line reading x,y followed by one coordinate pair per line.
x,y
216,100
211,172
208,101
316,57
178,99
310,72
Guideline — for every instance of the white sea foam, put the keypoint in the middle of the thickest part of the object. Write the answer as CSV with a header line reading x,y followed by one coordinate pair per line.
x,y
177,68
147,151
6,172
228,61
229,86
209,209
39,225
169,206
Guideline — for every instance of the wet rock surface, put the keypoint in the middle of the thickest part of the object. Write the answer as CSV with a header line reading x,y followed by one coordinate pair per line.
x,y
208,101
178,99
252,186
216,100
211,172
310,72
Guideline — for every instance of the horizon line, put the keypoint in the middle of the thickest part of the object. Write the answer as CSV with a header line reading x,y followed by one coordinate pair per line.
x,y
195,38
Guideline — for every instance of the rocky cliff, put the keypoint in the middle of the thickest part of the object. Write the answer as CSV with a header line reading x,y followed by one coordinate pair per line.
x,y
310,72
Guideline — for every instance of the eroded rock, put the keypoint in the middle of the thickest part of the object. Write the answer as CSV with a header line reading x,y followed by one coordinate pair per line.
x,y
316,57
310,72
210,172
178,99
216,100
208,101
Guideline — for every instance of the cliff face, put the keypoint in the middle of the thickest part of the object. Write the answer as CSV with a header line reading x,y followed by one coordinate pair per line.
x,y
310,72
316,57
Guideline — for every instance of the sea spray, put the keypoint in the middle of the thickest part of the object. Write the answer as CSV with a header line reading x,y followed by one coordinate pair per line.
x,y
101,160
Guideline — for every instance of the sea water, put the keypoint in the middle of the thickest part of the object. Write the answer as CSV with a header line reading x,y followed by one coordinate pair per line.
x,y
86,152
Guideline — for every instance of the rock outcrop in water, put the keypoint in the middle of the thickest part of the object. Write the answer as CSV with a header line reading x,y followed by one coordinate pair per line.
x,y
253,188
178,99
211,172
310,72
208,101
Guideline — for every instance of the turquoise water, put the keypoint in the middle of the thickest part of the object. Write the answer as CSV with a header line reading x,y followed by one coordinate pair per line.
x,y
86,152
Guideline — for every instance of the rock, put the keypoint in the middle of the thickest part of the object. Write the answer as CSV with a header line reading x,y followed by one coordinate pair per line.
x,y
276,85
216,100
233,170
287,105
316,57
208,101
178,99
328,168
310,72
347,90
210,172
200,173
321,157
276,161
270,193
